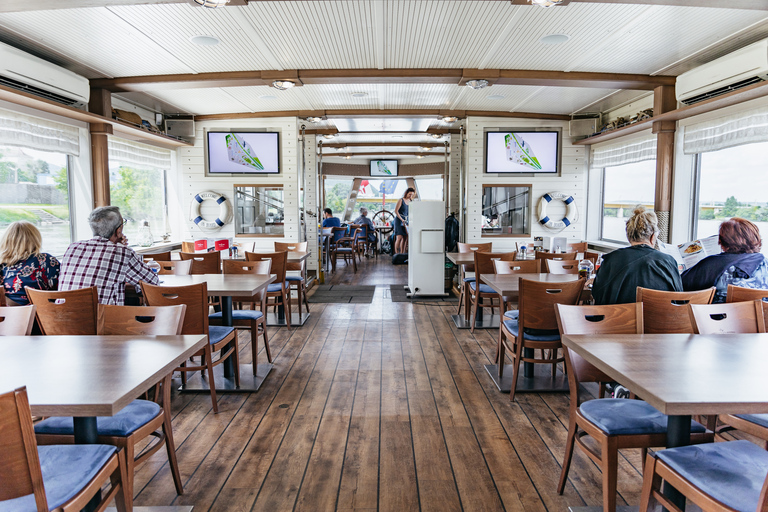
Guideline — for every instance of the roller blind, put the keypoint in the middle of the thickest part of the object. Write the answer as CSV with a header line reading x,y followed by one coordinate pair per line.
x,y
139,155
626,152
39,134
726,132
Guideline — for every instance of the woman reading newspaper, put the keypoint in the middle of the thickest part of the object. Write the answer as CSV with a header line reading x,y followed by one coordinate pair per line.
x,y
740,263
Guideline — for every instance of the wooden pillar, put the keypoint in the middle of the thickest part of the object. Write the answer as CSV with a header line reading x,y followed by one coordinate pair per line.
x,y
663,101
101,104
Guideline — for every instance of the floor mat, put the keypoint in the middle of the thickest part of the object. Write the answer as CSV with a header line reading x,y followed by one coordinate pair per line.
x,y
398,294
342,294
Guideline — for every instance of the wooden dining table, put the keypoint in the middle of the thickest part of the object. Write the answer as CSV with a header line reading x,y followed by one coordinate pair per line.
x,y
227,286
683,374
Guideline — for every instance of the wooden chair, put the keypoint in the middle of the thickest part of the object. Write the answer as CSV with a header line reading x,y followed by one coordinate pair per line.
x,y
464,270
187,246
299,280
478,291
157,256
667,312
141,418
515,267
343,246
250,318
592,256
3,302
221,339
541,255
73,312
16,321
562,266
176,268
612,423
43,478
356,230
535,326
204,262
741,294
280,289
735,317
578,247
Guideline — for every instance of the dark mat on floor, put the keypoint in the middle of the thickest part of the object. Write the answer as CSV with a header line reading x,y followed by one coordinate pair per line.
x,y
398,294
342,294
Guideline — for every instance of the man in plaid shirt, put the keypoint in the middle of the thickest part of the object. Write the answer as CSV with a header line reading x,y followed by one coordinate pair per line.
x,y
104,261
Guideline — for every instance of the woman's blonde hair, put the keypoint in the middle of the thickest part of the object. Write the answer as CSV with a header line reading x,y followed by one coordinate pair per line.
x,y
20,241
642,225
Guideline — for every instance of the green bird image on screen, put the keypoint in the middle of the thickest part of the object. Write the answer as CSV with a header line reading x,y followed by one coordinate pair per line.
x,y
383,167
241,152
519,152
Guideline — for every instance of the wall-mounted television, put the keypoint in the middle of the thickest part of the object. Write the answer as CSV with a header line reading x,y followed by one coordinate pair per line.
x,y
242,152
383,168
522,152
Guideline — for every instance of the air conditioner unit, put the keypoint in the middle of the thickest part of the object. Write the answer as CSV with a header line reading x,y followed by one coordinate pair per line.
x,y
27,73
184,128
733,71
583,127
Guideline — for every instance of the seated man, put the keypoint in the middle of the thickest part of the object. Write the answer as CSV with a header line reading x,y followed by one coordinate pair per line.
x,y
363,220
332,222
104,261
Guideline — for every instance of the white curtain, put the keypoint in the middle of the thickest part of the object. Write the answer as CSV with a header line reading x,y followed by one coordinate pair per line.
x,y
140,155
625,152
39,134
726,132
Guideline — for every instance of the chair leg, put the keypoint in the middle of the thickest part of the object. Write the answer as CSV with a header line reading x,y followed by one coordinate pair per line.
x,y
266,340
475,304
304,294
461,298
519,342
211,383
651,482
500,350
610,460
170,447
130,467
123,502
569,442
288,314
236,359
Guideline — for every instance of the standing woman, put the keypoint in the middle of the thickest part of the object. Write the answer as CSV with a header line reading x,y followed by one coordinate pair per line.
x,y
22,264
401,220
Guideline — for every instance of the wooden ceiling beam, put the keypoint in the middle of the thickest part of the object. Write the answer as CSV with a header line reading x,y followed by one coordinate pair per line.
x,y
583,79
378,153
381,113
395,144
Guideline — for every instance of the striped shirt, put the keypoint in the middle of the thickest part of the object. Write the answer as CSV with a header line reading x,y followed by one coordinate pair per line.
x,y
106,265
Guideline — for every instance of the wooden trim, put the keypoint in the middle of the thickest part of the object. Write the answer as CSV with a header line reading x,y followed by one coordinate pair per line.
x,y
531,206
100,169
755,5
251,185
380,113
664,101
366,144
375,153
583,79
260,235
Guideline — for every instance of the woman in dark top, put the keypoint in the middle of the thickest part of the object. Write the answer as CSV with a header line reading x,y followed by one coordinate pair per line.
x,y
22,264
639,264
740,263
401,220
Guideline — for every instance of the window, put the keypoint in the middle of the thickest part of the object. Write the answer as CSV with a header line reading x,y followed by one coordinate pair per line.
x,y
430,188
506,210
34,186
624,187
336,195
732,183
377,195
259,210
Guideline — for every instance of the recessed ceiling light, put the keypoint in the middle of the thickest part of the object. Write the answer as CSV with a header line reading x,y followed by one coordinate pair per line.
x,y
437,135
314,119
477,84
348,157
495,97
419,156
542,3
359,94
282,85
425,148
450,119
212,4
267,97
554,39
204,40
329,135
397,136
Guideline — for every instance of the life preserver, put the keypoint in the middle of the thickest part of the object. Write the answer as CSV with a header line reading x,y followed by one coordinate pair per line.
x,y
571,212
225,210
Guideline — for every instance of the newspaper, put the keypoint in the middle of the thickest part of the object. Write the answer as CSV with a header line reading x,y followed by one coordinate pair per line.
x,y
690,253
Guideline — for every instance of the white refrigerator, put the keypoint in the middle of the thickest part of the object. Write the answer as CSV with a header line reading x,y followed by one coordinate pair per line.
x,y
426,248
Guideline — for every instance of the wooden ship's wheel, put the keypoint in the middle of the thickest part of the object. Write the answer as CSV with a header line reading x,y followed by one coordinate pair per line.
x,y
384,222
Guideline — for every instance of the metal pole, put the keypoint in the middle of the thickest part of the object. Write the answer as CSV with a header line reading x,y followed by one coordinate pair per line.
x,y
320,195
304,184
462,184
446,177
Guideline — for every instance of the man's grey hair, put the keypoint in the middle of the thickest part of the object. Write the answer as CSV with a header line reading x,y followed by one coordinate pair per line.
x,y
105,220
363,210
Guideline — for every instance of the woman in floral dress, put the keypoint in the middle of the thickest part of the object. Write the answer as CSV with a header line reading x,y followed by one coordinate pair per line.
x,y
22,264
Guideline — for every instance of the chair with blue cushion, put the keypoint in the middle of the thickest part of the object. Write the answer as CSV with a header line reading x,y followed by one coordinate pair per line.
x,y
464,270
481,295
300,279
612,423
66,313
535,325
280,289
62,478
742,294
344,247
515,267
250,318
222,339
16,321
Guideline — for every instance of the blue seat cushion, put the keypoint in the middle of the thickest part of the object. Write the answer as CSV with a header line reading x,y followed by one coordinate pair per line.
x,y
344,249
216,333
512,313
512,325
132,417
67,469
620,416
275,287
484,288
293,278
732,473
469,279
240,314
760,419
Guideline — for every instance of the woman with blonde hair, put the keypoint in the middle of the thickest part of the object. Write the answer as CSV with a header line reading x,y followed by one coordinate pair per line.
x,y
639,264
23,265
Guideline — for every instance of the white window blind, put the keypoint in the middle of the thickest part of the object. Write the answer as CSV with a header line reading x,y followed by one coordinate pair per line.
x,y
726,132
626,152
140,155
36,133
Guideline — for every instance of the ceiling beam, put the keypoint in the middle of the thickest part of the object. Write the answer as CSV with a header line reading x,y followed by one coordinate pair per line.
x,y
382,113
378,76
377,144
755,5
377,153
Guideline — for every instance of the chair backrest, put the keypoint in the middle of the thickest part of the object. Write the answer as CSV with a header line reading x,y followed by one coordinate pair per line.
x,y
260,268
464,248
517,266
176,268
3,303
337,232
538,298
741,294
295,246
187,246
541,255
484,261
667,312
72,312
195,296
611,319
16,321
577,247
727,318
157,256
279,262
203,262
19,462
353,228
592,256
147,320
562,266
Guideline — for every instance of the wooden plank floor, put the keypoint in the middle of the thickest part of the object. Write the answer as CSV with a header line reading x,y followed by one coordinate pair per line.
x,y
382,406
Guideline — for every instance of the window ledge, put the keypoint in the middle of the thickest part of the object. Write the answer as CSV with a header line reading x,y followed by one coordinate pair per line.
x,y
605,246
157,247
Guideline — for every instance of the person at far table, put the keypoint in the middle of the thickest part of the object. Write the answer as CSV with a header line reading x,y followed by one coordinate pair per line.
x,y
22,265
401,220
330,221
740,263
364,220
104,261
639,264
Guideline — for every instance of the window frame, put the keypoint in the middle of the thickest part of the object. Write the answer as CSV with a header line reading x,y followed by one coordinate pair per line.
x,y
603,174
235,220
528,218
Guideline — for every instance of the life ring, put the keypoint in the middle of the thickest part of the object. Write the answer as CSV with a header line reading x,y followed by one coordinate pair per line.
x,y
225,210
571,212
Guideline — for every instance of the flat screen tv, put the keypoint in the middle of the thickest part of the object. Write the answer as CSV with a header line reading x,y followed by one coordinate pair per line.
x,y
383,168
522,152
243,152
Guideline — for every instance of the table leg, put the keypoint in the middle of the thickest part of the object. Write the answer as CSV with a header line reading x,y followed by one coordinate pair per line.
x,y
226,319
86,432
678,434
528,367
